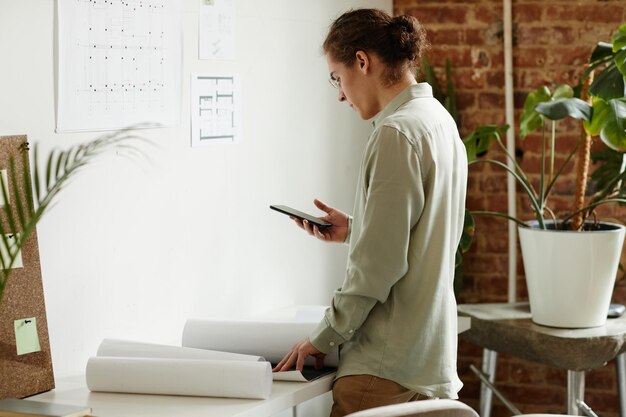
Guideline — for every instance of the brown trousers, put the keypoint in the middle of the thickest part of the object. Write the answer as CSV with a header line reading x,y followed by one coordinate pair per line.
x,y
360,392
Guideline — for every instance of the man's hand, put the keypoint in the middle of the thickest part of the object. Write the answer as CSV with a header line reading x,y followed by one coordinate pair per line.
x,y
299,352
335,233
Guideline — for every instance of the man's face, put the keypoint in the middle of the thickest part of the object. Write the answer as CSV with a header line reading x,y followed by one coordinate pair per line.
x,y
354,83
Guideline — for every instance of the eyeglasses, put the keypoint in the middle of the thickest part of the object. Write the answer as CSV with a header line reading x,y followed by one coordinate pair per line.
x,y
335,82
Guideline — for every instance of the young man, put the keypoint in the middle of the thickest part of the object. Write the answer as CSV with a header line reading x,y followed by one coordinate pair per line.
x,y
394,317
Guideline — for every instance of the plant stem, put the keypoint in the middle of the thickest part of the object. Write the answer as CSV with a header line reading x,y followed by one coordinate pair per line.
x,y
498,214
582,172
542,172
552,146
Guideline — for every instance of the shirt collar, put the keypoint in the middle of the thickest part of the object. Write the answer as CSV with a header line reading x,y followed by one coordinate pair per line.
x,y
413,91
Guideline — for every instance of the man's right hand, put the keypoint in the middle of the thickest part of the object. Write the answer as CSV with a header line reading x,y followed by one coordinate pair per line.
x,y
335,233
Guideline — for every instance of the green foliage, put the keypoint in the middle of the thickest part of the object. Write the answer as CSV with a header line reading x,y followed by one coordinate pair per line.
x,y
48,181
467,237
604,179
478,142
447,99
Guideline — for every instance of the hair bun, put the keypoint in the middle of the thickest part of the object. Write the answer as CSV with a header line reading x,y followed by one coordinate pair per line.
x,y
402,23
407,34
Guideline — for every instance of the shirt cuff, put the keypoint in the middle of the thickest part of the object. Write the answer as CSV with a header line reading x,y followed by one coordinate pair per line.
x,y
347,239
324,338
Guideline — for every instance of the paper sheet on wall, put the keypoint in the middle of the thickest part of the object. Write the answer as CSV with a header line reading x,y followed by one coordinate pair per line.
x,y
119,64
216,29
215,109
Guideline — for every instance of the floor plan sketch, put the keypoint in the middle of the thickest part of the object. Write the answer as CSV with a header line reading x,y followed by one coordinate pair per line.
x,y
215,109
119,63
216,30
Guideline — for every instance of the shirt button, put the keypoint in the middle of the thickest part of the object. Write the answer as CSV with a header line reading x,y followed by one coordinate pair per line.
x,y
332,343
350,331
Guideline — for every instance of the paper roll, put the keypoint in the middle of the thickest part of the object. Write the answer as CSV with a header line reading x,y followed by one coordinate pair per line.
x,y
131,349
211,378
271,340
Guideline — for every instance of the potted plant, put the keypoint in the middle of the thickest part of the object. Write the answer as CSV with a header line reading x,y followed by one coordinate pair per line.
x,y
571,261
29,201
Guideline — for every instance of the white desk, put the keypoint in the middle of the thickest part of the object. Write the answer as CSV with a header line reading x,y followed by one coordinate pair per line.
x,y
73,391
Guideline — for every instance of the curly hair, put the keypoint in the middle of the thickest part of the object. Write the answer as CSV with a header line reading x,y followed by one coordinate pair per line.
x,y
399,41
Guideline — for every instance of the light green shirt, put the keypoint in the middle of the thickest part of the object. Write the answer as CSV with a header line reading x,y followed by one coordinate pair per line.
x,y
395,314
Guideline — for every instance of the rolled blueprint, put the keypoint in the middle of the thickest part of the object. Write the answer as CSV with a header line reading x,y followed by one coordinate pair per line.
x,y
131,349
271,339
195,377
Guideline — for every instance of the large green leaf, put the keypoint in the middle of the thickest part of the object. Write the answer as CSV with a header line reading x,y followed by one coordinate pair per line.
x,y
601,52
619,38
479,141
609,121
620,61
563,91
609,83
565,107
613,133
608,178
530,120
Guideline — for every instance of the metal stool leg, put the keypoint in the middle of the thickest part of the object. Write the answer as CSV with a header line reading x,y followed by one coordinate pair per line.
x,y
620,366
575,391
489,368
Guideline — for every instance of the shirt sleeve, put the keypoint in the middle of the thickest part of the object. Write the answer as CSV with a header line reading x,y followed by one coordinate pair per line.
x,y
394,200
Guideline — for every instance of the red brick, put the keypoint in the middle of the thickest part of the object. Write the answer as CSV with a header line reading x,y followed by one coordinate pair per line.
x,y
439,14
527,13
494,79
601,378
538,394
493,184
532,79
487,117
491,100
459,57
474,36
546,50
488,13
569,55
465,100
588,12
529,57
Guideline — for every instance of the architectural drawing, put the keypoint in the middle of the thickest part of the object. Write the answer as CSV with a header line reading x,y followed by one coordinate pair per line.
x,y
215,109
119,63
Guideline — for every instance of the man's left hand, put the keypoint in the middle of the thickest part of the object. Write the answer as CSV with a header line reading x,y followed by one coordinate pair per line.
x,y
298,353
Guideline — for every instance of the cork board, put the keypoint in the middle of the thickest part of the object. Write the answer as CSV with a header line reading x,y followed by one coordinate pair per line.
x,y
27,373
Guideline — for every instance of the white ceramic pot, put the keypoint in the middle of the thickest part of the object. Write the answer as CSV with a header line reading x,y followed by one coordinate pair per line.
x,y
570,275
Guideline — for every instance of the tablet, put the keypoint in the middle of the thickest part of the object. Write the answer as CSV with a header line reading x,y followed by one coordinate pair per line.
x,y
300,215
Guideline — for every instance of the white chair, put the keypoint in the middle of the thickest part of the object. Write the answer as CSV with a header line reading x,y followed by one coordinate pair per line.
x,y
431,408
425,408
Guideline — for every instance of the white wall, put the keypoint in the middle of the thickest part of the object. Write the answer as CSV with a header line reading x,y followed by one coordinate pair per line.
x,y
134,248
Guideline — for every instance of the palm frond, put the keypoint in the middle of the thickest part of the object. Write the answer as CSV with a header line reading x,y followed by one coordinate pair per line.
x,y
26,207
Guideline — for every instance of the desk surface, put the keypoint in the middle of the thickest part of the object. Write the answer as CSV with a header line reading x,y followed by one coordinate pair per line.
x,y
508,328
73,391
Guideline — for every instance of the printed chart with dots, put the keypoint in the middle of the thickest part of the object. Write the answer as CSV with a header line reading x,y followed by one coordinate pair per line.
x,y
119,63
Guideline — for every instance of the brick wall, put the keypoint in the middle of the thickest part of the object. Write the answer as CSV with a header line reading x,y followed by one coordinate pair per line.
x,y
552,42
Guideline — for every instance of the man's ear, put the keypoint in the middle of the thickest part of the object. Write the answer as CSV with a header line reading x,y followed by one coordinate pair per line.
x,y
362,61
